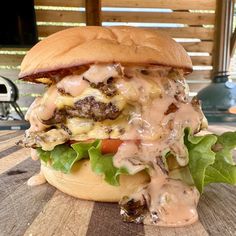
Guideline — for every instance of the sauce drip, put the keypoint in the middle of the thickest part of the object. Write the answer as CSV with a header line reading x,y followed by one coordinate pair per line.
x,y
37,179
159,111
170,202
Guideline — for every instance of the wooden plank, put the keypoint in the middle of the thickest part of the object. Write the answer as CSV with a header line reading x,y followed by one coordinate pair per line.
x,y
217,208
159,17
4,50
196,229
187,32
199,75
11,136
60,16
44,31
102,215
6,132
61,3
175,32
15,158
196,87
175,5
11,60
22,172
70,217
198,46
233,43
20,204
93,12
201,60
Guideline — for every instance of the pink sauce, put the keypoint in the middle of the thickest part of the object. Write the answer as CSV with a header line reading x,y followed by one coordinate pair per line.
x,y
151,94
100,73
34,154
36,180
73,85
170,202
47,105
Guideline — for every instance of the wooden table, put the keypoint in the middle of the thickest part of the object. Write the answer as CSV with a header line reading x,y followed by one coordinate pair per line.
x,y
43,210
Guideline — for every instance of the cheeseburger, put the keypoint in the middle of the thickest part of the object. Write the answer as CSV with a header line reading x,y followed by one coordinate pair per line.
x,y
116,124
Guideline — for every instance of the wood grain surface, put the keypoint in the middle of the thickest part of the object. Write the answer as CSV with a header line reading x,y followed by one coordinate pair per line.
x,y
43,210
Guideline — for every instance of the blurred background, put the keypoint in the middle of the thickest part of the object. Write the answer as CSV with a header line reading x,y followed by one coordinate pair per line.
x,y
205,28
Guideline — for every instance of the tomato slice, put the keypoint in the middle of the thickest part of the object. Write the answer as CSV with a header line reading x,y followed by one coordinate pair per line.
x,y
107,146
110,145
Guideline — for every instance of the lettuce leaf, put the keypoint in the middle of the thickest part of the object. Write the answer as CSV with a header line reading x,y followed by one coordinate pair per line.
x,y
223,170
103,164
210,158
63,157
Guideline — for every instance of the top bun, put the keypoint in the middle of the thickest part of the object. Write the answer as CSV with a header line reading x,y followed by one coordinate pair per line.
x,y
78,46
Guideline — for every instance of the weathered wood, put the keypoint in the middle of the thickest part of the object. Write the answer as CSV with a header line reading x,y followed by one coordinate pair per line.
x,y
196,229
160,17
175,32
20,204
9,140
187,32
224,18
217,209
102,215
233,44
18,50
199,75
17,176
60,16
6,132
196,87
93,12
175,5
63,215
9,151
201,60
10,60
13,159
61,3
46,30
40,211
198,46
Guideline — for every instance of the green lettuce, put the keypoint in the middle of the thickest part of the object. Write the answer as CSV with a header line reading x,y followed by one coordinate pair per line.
x,y
210,158
103,164
63,157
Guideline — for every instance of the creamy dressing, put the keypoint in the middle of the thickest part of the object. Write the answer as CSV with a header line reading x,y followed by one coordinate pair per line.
x,y
73,85
36,180
34,154
32,116
101,73
170,202
47,104
155,111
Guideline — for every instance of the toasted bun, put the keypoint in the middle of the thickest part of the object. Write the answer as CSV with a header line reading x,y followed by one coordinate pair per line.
x,y
83,183
78,46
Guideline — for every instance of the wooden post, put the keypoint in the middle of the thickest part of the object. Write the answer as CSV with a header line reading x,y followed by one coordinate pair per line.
x,y
93,12
233,43
223,26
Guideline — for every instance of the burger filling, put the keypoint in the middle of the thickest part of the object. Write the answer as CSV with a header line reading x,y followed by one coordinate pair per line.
x,y
146,115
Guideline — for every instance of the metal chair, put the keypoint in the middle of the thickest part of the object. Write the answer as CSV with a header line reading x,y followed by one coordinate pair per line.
x,y
9,94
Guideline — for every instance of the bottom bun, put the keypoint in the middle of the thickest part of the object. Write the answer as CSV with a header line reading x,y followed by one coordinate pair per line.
x,y
85,184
